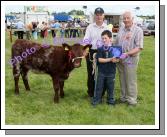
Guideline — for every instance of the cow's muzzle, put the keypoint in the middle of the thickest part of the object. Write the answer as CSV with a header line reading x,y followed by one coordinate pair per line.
x,y
77,61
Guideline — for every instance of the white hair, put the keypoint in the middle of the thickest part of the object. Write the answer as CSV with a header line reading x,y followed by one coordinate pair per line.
x,y
133,16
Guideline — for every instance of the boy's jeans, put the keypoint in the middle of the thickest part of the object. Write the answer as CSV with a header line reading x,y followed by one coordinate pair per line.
x,y
108,81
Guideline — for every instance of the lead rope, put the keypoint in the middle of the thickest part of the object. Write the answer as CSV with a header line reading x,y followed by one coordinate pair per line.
x,y
82,58
90,58
70,56
94,66
77,58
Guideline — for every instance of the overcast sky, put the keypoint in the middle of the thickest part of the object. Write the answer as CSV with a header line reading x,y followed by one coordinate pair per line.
x,y
144,10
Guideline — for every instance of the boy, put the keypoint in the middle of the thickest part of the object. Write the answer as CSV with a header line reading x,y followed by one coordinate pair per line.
x,y
106,62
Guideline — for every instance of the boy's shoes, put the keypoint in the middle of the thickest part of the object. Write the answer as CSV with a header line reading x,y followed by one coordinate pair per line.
x,y
94,103
111,104
90,94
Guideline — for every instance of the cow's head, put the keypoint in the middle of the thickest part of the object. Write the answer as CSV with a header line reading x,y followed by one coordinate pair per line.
x,y
76,52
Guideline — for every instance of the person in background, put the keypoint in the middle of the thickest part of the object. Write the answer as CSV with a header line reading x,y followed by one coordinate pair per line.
x,y
67,30
72,29
62,31
41,27
45,29
130,36
28,31
78,21
20,25
52,25
77,26
38,28
57,26
83,25
34,29
93,36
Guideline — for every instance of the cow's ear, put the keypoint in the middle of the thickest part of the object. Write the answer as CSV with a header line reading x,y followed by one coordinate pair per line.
x,y
66,46
87,47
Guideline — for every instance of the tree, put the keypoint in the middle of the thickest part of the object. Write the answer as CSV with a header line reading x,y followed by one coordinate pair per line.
x,y
76,12
64,13
80,12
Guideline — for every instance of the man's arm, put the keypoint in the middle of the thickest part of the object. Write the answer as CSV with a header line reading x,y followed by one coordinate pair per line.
x,y
139,44
103,60
87,37
133,52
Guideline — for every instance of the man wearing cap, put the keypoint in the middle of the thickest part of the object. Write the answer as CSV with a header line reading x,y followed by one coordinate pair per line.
x,y
93,37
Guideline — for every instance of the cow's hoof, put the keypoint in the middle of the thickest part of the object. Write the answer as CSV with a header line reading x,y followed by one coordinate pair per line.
x,y
27,89
56,101
16,93
62,95
90,94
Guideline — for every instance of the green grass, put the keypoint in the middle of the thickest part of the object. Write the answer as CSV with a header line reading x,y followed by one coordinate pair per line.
x,y
37,107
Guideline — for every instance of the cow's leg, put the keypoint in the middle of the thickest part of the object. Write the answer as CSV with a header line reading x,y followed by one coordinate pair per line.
x,y
24,72
16,74
56,87
61,89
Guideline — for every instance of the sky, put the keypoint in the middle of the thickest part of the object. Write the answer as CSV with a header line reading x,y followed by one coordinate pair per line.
x,y
144,9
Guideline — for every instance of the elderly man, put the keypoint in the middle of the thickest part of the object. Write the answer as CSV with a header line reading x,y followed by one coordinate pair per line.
x,y
130,37
93,36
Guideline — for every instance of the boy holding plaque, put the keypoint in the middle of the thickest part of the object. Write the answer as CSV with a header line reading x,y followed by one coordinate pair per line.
x,y
107,56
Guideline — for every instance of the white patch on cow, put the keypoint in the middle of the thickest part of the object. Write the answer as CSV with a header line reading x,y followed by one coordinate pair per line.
x,y
16,75
48,51
17,70
26,77
37,61
40,61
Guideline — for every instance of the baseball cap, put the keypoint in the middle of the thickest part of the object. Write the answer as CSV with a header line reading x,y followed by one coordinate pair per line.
x,y
99,10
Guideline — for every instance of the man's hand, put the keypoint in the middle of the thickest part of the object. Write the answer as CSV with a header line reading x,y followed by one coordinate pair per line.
x,y
124,56
114,60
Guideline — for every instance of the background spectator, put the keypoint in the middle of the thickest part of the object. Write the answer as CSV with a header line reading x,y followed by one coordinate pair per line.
x,y
62,31
34,29
52,25
57,26
20,25
28,31
67,30
41,27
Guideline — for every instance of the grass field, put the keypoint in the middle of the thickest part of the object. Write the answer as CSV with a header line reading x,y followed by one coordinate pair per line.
x,y
37,108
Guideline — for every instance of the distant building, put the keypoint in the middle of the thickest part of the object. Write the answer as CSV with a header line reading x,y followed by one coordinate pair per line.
x,y
32,14
110,18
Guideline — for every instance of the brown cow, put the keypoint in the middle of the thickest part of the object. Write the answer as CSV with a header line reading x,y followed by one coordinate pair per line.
x,y
56,61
